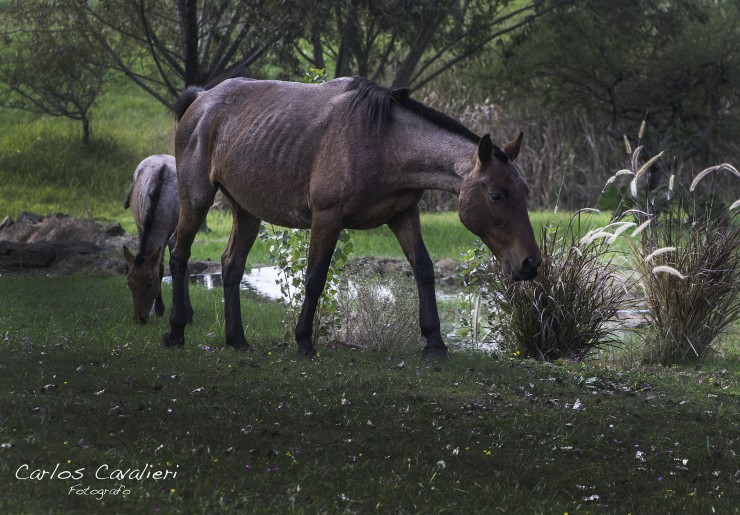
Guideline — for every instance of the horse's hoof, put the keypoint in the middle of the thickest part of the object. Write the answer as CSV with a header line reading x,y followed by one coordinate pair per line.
x,y
434,353
240,346
170,340
307,352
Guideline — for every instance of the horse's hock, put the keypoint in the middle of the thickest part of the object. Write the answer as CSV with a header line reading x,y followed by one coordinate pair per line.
x,y
59,243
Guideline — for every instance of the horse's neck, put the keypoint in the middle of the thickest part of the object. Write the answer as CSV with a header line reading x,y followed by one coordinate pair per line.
x,y
430,158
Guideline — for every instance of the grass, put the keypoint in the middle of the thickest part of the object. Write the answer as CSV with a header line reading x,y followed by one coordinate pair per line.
x,y
351,431
45,168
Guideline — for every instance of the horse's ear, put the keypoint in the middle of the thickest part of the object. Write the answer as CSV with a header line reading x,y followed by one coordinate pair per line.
x,y
128,255
512,148
500,154
485,149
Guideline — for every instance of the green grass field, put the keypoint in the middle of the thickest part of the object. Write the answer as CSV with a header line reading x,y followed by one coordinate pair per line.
x,y
83,388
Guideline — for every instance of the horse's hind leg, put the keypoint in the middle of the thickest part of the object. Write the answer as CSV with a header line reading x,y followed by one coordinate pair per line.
x,y
407,229
244,231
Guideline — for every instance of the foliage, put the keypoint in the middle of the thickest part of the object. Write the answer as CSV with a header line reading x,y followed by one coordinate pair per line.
x,y
165,45
288,250
48,65
406,43
677,61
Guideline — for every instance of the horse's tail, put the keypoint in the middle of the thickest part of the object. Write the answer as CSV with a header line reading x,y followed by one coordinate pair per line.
x,y
186,98
127,202
154,194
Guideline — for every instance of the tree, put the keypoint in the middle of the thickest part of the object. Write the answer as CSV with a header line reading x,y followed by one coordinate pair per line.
x,y
48,65
408,43
165,45
676,62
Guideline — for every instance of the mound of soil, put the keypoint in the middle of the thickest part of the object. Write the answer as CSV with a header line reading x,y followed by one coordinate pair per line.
x,y
59,244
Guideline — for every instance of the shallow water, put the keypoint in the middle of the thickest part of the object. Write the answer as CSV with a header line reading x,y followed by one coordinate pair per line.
x,y
263,281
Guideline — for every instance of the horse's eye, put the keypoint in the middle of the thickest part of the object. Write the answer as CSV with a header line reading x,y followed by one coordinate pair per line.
x,y
496,196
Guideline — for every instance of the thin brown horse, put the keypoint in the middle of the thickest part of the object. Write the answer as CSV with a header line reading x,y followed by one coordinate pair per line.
x,y
343,154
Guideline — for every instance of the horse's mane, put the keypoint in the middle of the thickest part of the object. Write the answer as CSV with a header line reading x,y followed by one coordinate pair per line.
x,y
377,105
151,210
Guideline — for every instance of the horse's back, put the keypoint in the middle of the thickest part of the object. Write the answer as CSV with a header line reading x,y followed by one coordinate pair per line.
x,y
154,198
261,141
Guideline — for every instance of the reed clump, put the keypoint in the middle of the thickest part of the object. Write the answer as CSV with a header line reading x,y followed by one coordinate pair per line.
x,y
685,249
570,309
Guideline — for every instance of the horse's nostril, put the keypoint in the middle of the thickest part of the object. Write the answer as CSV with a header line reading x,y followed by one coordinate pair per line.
x,y
531,263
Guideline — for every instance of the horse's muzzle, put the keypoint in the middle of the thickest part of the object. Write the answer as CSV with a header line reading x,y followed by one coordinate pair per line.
x,y
527,270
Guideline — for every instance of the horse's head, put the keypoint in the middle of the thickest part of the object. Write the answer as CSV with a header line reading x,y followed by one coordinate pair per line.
x,y
493,206
144,281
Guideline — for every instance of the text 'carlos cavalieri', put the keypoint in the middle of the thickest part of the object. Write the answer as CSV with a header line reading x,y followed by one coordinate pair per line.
x,y
103,472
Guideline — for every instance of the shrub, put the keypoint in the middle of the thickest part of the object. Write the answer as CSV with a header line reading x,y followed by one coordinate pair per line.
x,y
379,311
568,310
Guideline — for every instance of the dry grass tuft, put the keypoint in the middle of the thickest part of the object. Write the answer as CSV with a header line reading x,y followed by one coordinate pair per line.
x,y
571,308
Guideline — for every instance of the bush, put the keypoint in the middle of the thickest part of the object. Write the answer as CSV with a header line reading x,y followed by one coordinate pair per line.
x,y
379,311
686,250
568,310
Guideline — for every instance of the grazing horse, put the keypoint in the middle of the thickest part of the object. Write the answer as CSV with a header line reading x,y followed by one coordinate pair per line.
x,y
343,154
155,208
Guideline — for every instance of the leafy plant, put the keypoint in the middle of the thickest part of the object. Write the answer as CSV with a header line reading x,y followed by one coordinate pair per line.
x,y
288,249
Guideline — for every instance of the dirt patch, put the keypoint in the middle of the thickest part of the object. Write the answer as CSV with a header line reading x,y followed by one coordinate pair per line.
x,y
59,244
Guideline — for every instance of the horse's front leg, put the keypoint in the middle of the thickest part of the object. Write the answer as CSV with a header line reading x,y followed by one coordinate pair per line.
x,y
407,228
182,311
244,231
325,230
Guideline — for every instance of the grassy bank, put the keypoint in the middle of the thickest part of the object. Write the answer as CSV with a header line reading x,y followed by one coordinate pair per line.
x,y
84,387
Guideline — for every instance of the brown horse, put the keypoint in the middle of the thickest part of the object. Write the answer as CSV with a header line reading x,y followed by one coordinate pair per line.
x,y
155,208
342,154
